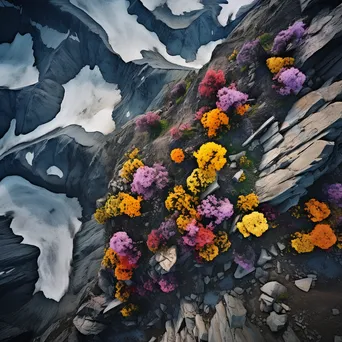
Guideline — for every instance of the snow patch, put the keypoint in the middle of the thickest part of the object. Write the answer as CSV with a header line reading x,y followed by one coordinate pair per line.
x,y
121,27
29,157
48,221
16,63
177,7
54,171
232,7
88,102
74,37
50,37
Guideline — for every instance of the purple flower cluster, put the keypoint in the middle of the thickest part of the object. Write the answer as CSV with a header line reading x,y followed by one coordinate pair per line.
x,y
290,81
168,228
245,258
167,283
334,193
147,180
122,244
145,122
293,34
230,98
270,212
248,53
190,238
178,90
217,209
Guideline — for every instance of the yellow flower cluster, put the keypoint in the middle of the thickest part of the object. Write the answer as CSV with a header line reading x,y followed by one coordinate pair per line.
x,y
275,64
209,252
302,243
182,221
133,154
222,242
254,223
242,109
200,179
121,291
110,258
181,201
214,120
248,203
233,56
245,162
211,156
128,310
177,155
123,203
101,215
242,178
129,168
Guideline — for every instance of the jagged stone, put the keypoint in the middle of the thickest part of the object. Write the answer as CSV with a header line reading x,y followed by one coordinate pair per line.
x,y
266,303
260,130
273,142
236,312
290,336
264,257
237,176
304,284
285,307
113,304
189,309
261,275
167,258
202,330
274,289
274,128
233,227
276,322
241,272
281,246
227,266
273,250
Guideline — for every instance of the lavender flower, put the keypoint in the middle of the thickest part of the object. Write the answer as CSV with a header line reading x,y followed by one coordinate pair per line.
x,y
248,53
230,98
213,208
121,243
293,34
334,193
290,81
147,180
191,236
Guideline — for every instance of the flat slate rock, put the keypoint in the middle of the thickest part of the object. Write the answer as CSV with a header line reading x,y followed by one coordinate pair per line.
x,y
304,284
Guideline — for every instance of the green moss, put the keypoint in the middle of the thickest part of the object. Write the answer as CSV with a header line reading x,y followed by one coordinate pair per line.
x,y
266,41
156,131
244,68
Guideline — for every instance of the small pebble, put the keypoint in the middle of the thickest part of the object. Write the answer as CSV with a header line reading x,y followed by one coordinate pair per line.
x,y
335,312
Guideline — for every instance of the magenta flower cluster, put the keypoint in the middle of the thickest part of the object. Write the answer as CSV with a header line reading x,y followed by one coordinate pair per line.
x,y
248,53
293,34
190,238
167,283
123,245
178,90
216,209
230,97
148,180
290,81
334,193
145,122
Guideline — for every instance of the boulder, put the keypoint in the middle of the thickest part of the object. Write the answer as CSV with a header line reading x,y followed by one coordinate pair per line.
x,y
274,289
167,259
304,284
236,312
276,322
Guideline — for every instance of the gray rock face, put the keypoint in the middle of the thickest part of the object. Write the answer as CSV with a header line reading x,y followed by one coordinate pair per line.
x,y
202,330
167,259
260,130
276,322
272,142
236,312
274,289
274,128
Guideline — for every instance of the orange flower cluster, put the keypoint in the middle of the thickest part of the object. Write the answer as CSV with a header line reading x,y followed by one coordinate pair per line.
x,y
129,310
177,155
242,109
323,236
214,120
317,211
209,252
123,203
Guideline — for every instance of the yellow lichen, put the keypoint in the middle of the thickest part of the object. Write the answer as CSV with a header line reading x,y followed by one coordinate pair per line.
x,y
317,211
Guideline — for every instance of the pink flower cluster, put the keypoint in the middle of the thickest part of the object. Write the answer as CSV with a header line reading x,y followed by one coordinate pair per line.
x,y
147,180
177,132
293,34
230,97
200,112
145,122
211,83
167,283
197,236
122,244
290,81
217,209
